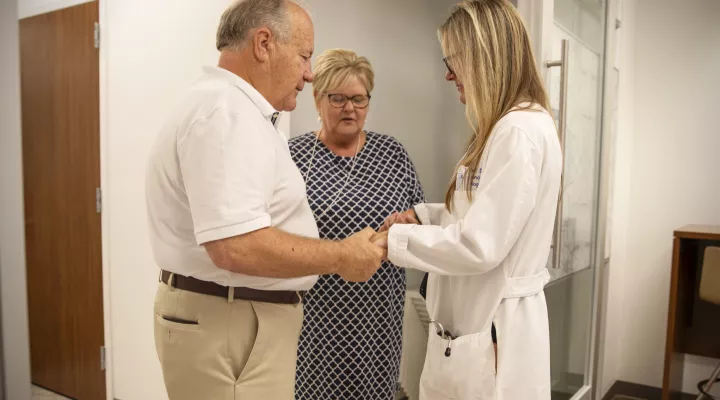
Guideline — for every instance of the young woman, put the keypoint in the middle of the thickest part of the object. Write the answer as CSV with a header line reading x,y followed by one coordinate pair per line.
x,y
486,248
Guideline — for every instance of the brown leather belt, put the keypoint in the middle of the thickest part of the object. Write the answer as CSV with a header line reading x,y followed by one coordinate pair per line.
x,y
240,293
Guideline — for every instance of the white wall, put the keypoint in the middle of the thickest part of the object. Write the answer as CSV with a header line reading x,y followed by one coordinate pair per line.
x,y
666,172
15,344
29,8
411,101
152,52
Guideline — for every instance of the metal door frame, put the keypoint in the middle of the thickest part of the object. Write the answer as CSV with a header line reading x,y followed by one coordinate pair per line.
x,y
539,18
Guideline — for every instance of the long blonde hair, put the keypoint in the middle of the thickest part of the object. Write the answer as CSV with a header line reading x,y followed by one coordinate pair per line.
x,y
488,48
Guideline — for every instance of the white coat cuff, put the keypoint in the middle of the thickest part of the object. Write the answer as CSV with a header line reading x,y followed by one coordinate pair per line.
x,y
398,244
423,214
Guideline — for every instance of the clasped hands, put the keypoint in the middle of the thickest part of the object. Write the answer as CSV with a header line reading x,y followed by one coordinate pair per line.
x,y
365,250
405,217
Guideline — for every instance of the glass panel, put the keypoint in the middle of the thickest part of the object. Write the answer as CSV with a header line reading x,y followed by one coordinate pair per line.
x,y
584,19
569,303
581,152
570,294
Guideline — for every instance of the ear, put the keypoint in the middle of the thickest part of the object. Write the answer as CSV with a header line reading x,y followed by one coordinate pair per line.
x,y
263,44
317,99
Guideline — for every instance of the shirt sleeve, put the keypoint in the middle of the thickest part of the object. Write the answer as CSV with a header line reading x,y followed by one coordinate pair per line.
x,y
228,170
500,208
430,213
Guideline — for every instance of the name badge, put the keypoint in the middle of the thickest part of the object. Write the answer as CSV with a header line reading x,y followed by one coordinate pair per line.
x,y
460,179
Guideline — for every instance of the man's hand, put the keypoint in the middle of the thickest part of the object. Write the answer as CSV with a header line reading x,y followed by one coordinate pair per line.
x,y
405,217
363,257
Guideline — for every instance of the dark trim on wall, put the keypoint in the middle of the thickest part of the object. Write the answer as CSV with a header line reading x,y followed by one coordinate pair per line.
x,y
3,395
640,392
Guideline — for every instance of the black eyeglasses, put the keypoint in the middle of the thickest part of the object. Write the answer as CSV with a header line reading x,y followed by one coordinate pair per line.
x,y
445,60
339,100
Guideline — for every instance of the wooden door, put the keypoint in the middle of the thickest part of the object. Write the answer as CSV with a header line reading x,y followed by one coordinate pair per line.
x,y
61,163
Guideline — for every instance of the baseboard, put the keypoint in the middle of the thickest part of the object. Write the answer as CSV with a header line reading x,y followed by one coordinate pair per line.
x,y
640,392
568,383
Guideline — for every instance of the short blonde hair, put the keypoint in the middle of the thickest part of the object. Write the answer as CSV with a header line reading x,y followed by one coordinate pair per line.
x,y
336,67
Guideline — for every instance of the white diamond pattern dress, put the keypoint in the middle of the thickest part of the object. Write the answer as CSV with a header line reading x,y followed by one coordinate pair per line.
x,y
351,339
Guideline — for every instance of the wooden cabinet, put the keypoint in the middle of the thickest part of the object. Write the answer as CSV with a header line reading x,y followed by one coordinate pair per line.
x,y
693,325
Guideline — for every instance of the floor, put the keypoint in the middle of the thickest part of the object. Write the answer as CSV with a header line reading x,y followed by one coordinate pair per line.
x,y
39,393
621,397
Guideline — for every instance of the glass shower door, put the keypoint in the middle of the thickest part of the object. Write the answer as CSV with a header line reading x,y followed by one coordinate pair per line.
x,y
571,46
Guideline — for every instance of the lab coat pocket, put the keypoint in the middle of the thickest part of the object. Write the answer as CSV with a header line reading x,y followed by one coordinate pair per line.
x,y
468,373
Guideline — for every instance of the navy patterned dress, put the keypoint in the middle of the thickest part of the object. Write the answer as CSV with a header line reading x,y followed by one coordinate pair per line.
x,y
352,332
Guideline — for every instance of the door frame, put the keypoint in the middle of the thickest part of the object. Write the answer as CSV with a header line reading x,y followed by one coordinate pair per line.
x,y
104,184
539,18
103,136
76,20
610,99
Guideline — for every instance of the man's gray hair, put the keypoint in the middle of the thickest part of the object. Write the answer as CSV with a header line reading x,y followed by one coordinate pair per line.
x,y
245,16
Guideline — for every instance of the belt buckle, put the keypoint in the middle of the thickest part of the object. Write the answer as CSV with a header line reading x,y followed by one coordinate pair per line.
x,y
299,295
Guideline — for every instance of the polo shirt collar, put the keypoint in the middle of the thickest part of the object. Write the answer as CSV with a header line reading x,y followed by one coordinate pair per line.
x,y
267,110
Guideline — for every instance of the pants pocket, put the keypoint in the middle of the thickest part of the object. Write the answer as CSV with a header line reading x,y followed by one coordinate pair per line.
x,y
177,324
244,361
270,369
468,373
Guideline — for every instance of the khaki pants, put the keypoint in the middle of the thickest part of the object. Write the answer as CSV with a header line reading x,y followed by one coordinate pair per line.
x,y
214,349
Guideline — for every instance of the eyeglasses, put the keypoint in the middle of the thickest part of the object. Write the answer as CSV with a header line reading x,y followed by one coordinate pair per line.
x,y
338,100
445,60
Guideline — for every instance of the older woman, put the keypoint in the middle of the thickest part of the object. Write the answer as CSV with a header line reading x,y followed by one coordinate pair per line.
x,y
352,333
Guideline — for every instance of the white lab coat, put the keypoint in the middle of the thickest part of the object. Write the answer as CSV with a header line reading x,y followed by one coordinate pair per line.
x,y
487,263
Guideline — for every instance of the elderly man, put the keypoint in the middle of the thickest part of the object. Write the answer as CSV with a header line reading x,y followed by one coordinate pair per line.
x,y
230,224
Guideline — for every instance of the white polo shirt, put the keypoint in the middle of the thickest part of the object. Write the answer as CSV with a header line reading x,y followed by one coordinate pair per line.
x,y
220,169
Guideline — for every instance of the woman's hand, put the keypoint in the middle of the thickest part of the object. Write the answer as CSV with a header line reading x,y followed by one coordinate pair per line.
x,y
405,217
380,239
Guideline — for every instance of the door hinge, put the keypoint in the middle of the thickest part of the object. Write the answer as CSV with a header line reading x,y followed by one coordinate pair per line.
x,y
98,200
102,358
96,35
